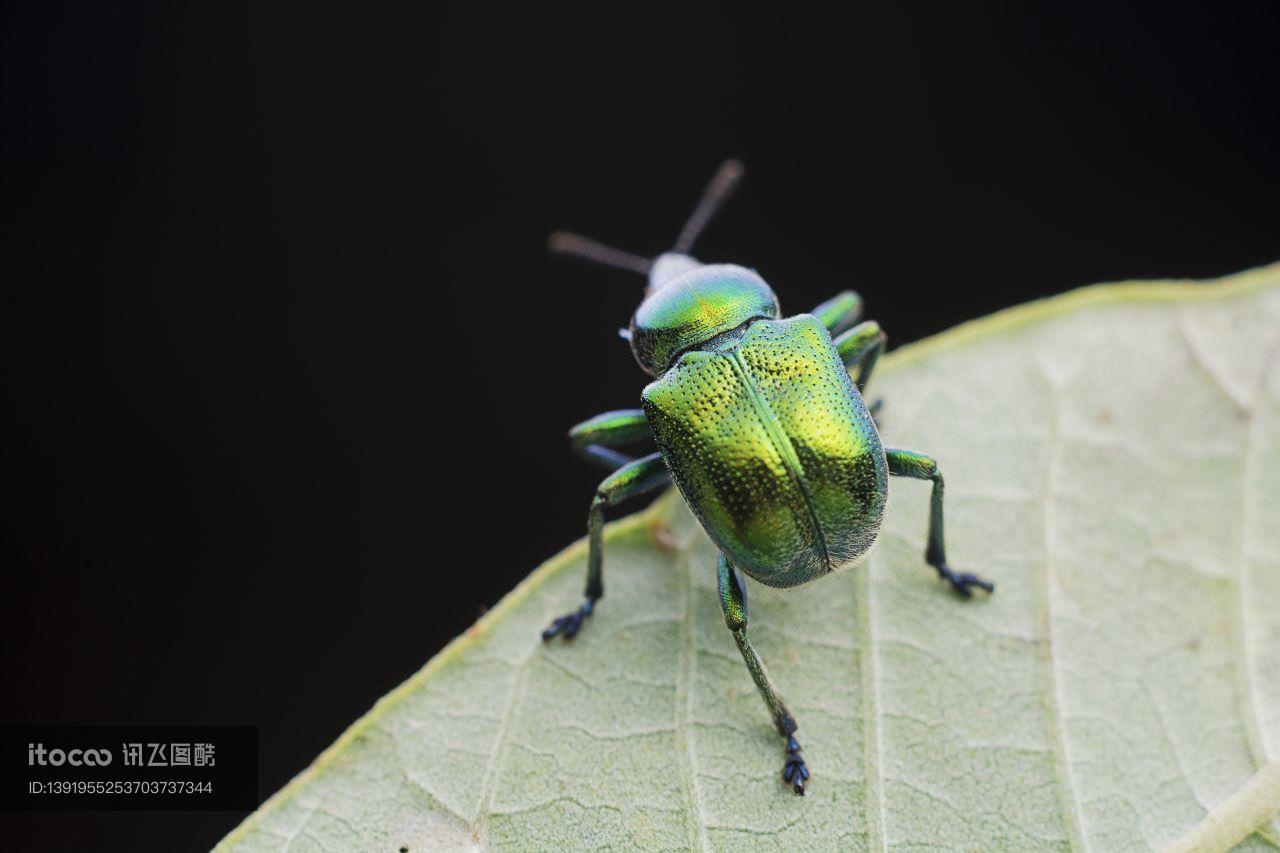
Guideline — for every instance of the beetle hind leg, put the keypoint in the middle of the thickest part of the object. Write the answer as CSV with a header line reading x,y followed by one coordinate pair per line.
x,y
733,601
907,463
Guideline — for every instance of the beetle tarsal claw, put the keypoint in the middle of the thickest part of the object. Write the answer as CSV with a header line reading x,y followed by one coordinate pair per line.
x,y
794,771
570,624
963,582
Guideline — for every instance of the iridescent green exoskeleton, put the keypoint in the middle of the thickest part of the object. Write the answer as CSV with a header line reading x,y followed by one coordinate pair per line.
x,y
759,423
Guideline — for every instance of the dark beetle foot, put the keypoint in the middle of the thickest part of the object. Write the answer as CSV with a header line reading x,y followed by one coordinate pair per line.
x,y
794,773
570,624
962,582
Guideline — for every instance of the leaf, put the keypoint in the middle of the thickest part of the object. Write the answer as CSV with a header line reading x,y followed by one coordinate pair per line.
x,y
1113,463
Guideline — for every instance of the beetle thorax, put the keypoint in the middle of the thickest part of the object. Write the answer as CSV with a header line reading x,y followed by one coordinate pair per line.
x,y
688,304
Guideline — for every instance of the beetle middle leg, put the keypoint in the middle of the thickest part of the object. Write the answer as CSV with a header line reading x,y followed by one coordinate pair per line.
x,y
636,478
907,463
840,312
860,347
595,439
733,601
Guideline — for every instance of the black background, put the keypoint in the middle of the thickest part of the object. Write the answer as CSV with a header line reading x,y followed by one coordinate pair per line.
x,y
291,370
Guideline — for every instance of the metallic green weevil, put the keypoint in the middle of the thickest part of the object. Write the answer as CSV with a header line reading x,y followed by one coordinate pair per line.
x,y
758,422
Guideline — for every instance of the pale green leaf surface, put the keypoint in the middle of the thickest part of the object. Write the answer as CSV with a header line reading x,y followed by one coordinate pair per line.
x,y
1113,463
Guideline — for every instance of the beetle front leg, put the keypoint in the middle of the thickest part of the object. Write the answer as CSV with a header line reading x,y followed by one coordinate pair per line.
x,y
631,480
840,312
733,601
906,463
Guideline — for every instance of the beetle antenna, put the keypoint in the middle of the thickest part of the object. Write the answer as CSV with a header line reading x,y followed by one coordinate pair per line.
x,y
564,243
718,191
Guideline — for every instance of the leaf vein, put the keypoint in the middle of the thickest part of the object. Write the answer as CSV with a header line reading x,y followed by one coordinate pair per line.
x,y
498,756
876,830
1051,679
1245,664
684,710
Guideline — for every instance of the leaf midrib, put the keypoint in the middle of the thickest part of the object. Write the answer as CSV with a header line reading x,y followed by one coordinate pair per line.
x,y
1068,795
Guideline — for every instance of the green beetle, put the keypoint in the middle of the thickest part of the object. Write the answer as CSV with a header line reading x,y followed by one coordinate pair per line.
x,y
758,422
